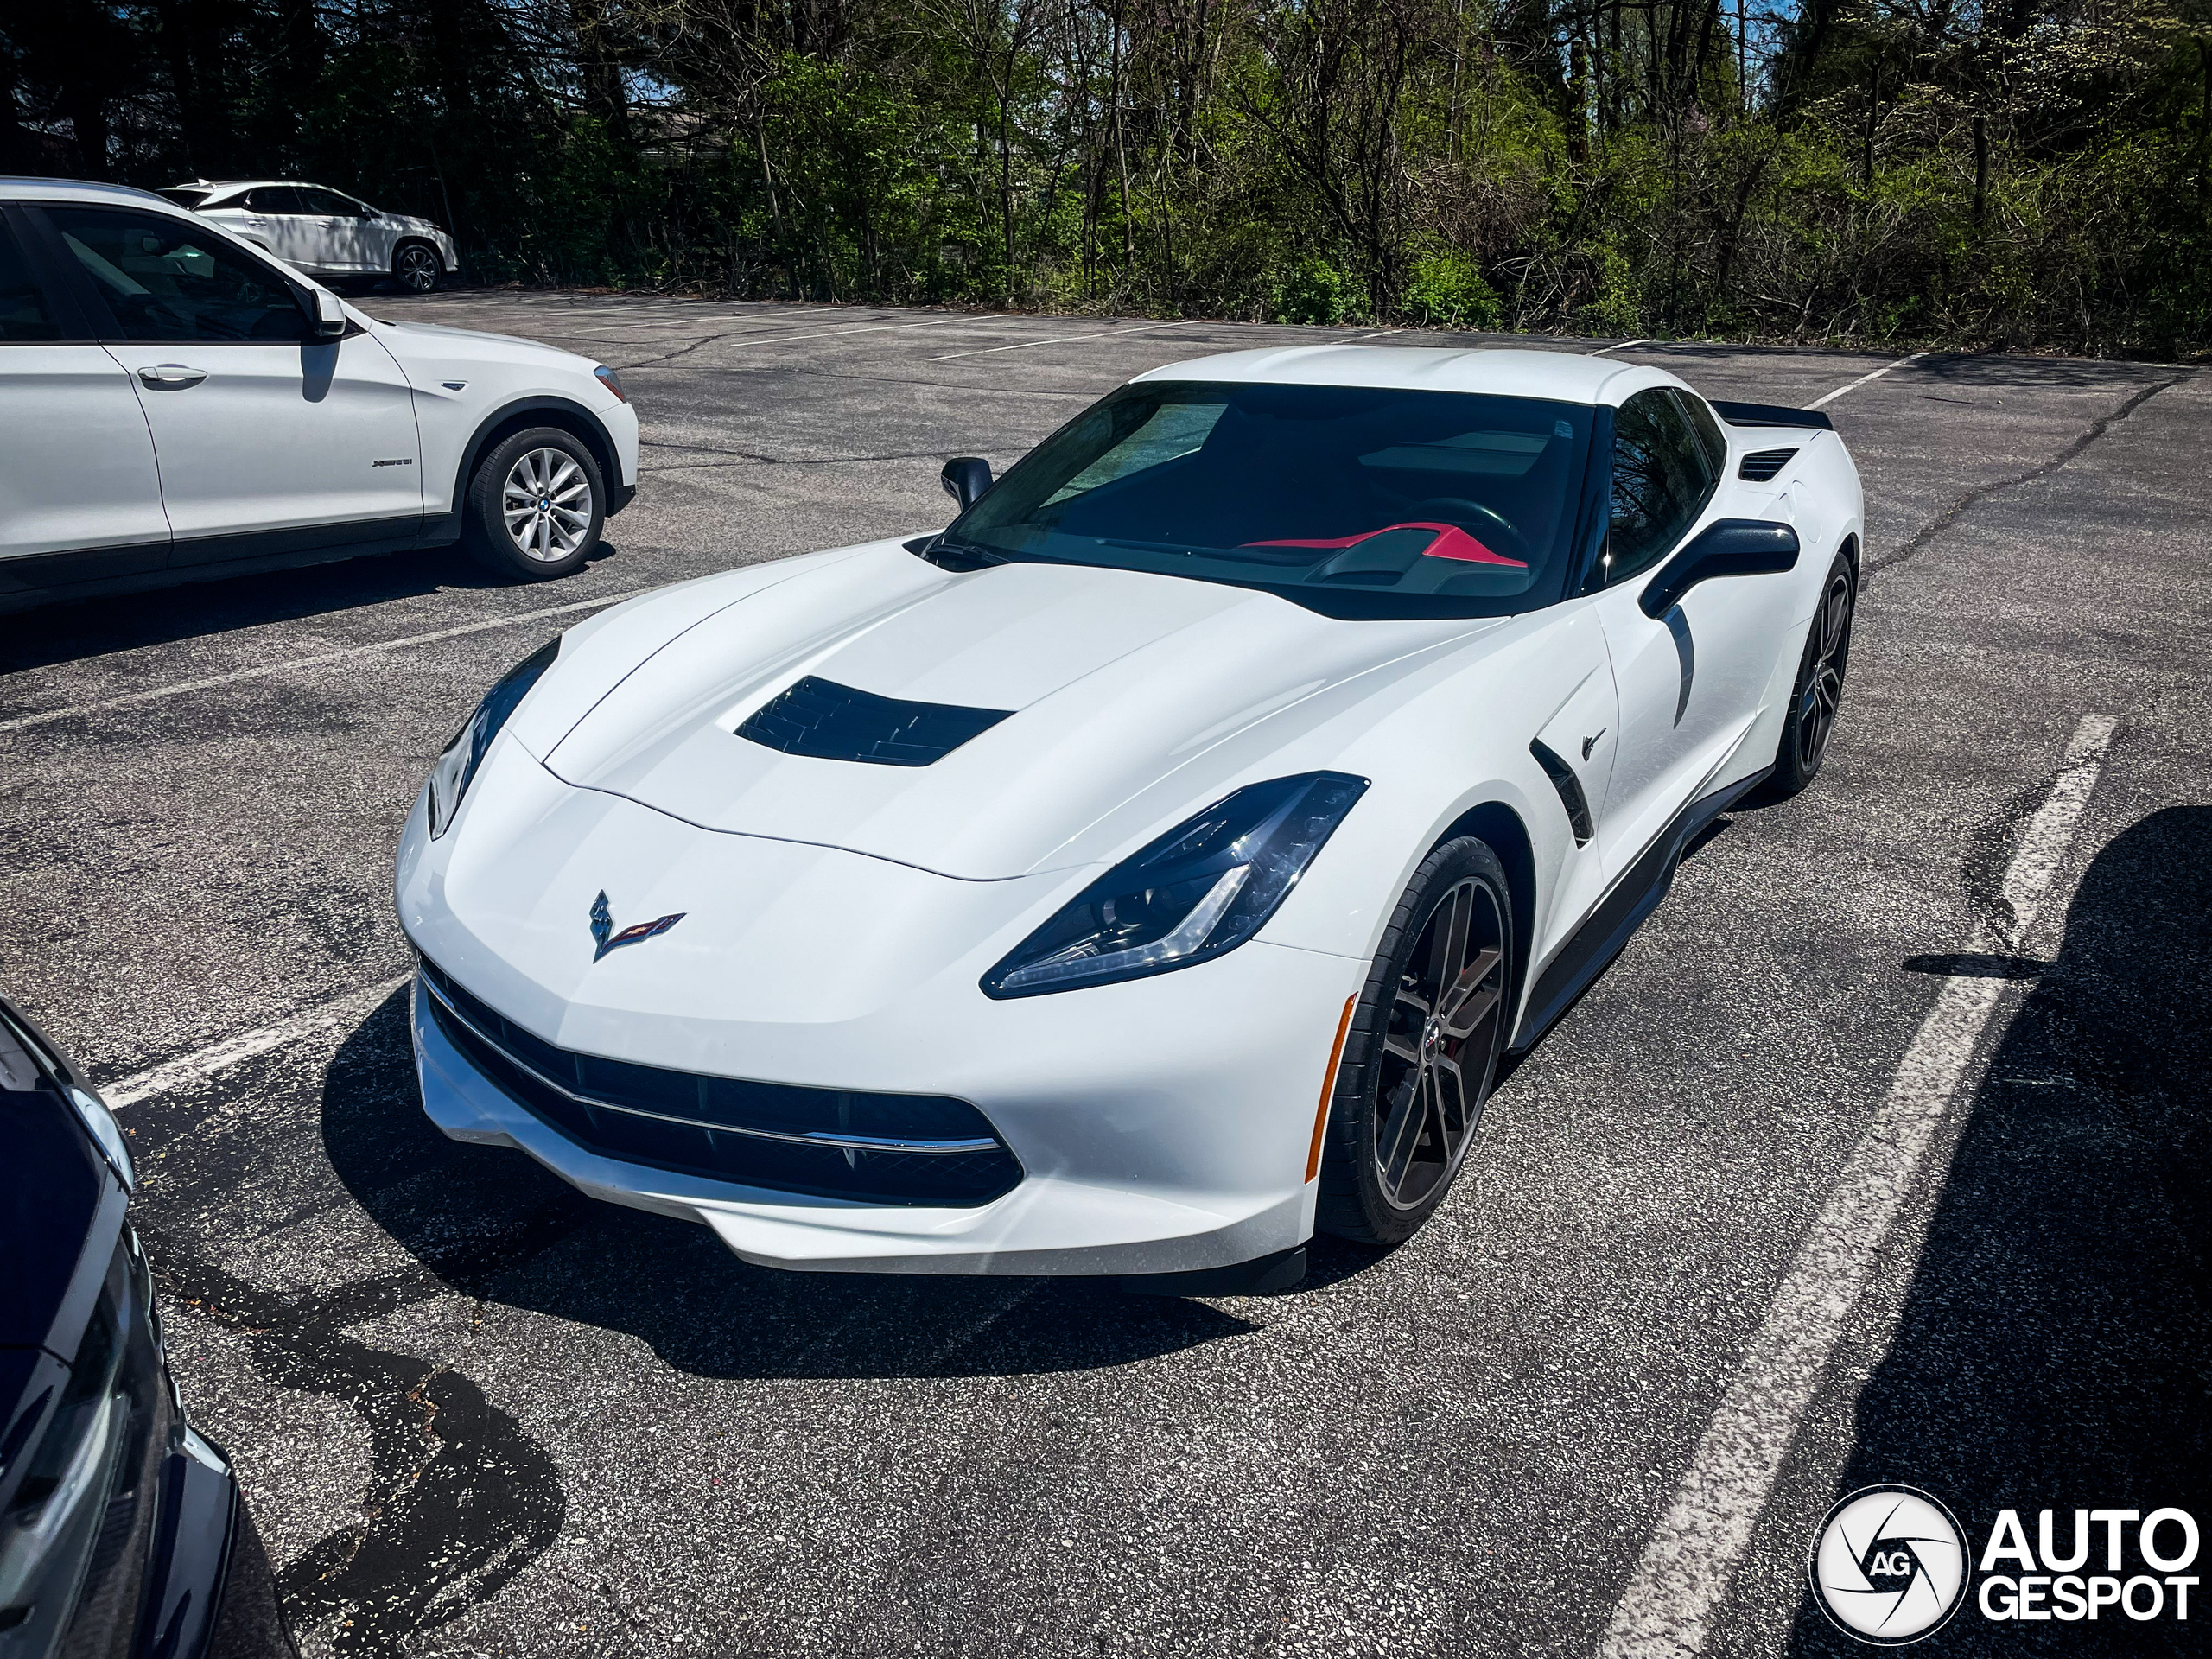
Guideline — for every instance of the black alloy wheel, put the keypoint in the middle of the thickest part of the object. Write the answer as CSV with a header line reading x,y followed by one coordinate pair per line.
x,y
1819,690
1423,1049
416,267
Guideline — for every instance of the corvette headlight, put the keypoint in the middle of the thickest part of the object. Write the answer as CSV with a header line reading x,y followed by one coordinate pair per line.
x,y
1204,887
464,752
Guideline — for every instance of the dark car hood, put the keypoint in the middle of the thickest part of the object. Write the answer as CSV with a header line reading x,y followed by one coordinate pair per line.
x,y
53,1195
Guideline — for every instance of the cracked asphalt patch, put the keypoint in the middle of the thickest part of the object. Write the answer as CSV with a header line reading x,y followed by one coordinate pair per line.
x,y
477,1414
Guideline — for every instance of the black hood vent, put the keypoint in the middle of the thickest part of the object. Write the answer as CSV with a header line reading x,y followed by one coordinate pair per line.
x,y
828,722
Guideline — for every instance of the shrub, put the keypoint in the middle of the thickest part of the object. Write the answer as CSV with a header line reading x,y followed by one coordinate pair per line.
x,y
1448,291
1314,291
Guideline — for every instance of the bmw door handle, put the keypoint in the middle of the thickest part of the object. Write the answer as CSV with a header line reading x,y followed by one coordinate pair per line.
x,y
172,377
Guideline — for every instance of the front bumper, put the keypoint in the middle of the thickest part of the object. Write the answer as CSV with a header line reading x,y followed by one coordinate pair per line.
x,y
1161,1125
1094,1215
195,1531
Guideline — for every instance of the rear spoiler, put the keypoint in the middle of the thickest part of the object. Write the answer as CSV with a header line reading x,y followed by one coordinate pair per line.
x,y
1772,415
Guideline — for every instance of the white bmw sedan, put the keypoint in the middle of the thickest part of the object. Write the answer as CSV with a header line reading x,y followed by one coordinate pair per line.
x,y
1152,868
325,231
179,406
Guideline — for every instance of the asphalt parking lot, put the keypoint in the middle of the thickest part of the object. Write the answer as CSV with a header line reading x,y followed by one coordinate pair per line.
x,y
477,1414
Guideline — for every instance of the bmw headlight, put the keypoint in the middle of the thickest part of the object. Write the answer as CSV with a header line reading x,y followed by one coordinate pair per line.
x,y
1204,887
464,752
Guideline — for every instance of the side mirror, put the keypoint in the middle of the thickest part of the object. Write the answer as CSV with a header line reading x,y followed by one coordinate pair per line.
x,y
329,315
1727,547
965,478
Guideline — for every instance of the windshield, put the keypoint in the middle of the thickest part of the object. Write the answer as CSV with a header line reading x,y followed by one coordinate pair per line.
x,y
1355,501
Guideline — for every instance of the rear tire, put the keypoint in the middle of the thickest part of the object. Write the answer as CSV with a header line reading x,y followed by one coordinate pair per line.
x,y
535,506
1818,692
1423,1050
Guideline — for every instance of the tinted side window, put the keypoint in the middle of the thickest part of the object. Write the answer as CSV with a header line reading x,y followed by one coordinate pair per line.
x,y
24,312
274,199
326,203
1710,437
1660,481
160,279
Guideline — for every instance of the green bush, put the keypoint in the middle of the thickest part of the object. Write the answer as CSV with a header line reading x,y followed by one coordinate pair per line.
x,y
1314,291
1448,291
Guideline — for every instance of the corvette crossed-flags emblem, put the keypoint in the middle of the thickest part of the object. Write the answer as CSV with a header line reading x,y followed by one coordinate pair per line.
x,y
602,928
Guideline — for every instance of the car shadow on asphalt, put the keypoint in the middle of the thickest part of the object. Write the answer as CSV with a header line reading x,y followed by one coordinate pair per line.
x,y
76,629
2056,1336
493,1225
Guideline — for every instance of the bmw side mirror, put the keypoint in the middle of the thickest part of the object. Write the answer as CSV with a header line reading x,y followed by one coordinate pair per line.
x,y
1727,547
329,315
965,478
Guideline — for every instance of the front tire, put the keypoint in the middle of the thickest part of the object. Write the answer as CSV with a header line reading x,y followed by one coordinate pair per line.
x,y
416,268
535,506
1423,1048
1819,690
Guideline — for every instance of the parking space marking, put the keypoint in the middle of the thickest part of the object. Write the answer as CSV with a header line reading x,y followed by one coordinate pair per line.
x,y
1057,340
1666,1611
1830,397
1621,345
866,329
131,699
198,1067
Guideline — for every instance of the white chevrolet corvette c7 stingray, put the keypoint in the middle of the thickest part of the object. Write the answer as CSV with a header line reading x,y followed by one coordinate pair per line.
x,y
1151,869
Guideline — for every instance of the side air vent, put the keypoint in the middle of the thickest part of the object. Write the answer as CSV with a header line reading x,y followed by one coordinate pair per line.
x,y
828,722
1570,792
1763,464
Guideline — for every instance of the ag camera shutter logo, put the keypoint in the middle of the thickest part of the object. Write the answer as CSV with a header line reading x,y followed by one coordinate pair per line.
x,y
1889,1566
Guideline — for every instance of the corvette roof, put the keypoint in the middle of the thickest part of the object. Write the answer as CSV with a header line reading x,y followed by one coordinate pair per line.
x,y
1560,376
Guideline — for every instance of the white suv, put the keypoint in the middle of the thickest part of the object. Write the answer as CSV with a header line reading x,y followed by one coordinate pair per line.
x,y
325,231
179,406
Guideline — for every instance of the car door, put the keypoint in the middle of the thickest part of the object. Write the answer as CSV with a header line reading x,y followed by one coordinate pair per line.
x,y
1692,681
263,216
270,439
330,231
80,497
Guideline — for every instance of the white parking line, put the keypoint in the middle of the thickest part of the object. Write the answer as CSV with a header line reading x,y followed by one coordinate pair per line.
x,y
1864,378
1666,1611
1618,346
1057,340
45,716
865,328
188,1068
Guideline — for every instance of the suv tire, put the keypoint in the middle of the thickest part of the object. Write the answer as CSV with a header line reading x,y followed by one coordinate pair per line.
x,y
535,506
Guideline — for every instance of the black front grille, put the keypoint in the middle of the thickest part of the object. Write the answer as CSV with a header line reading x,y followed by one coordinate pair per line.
x,y
829,722
879,1148
1763,464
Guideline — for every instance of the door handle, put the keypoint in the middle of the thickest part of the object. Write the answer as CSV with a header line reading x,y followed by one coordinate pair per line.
x,y
172,377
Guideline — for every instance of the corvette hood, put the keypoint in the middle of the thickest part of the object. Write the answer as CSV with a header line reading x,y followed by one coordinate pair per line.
x,y
1127,698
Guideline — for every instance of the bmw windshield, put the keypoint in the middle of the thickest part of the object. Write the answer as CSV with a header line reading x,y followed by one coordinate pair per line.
x,y
1355,501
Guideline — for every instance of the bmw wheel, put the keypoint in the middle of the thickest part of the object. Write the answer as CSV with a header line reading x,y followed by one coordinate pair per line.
x,y
535,506
1819,690
1423,1048
416,268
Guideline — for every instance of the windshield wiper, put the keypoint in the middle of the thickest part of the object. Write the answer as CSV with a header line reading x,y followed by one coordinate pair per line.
x,y
942,550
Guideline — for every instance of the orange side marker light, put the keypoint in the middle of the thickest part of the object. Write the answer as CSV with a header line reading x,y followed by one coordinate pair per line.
x,y
1329,1087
